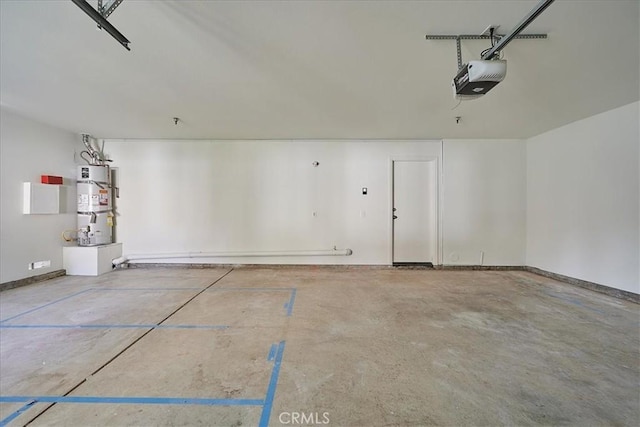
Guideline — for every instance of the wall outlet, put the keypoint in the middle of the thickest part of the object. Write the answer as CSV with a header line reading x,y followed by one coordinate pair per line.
x,y
39,264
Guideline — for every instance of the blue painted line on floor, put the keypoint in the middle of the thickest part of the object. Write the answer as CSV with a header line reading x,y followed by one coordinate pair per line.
x,y
252,289
17,413
272,352
289,305
45,305
150,326
573,301
134,400
193,326
150,289
271,390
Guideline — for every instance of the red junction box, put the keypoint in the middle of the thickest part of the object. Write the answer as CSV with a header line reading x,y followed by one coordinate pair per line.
x,y
51,179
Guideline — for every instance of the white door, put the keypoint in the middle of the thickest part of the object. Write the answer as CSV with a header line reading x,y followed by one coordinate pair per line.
x,y
415,208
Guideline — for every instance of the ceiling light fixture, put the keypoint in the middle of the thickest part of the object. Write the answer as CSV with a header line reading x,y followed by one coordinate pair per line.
x,y
100,17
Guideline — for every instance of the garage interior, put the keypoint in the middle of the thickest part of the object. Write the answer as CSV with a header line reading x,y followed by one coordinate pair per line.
x,y
303,224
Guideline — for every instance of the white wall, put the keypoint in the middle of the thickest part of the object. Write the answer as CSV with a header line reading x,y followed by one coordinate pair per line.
x,y
583,208
484,202
210,196
571,197
27,150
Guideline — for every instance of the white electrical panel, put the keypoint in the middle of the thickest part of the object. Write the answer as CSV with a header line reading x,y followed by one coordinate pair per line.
x,y
41,198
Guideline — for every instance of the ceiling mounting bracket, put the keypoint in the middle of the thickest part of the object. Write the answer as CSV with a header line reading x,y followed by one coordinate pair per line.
x,y
105,9
503,39
459,50
460,37
108,7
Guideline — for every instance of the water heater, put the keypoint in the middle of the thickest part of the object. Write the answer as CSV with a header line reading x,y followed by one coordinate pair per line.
x,y
95,209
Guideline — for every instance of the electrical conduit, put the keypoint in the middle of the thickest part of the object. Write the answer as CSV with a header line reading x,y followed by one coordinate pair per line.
x,y
142,257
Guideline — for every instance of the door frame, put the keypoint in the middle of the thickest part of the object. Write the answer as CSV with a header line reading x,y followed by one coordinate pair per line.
x,y
438,189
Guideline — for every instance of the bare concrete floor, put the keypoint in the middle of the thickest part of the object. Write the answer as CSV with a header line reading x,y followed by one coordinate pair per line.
x,y
316,346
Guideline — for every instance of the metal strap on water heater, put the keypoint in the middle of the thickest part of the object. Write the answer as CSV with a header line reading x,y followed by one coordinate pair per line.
x,y
100,184
92,212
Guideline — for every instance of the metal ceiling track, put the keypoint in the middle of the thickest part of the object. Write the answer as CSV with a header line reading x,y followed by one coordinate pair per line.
x,y
481,36
105,9
503,40
108,7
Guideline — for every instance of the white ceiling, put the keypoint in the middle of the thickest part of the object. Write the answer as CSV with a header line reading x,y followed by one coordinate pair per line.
x,y
311,69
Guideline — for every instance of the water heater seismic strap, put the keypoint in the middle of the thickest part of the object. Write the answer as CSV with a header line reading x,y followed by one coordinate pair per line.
x,y
90,181
98,183
94,212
